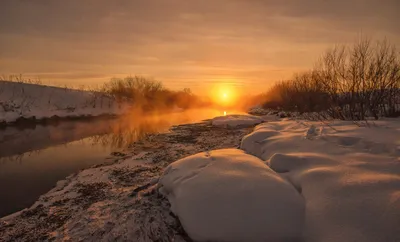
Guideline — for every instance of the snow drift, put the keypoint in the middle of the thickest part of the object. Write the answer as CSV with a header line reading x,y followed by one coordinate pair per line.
x,y
349,176
228,195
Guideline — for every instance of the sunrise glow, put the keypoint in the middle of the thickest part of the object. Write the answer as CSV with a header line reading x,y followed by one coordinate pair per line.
x,y
224,94
179,120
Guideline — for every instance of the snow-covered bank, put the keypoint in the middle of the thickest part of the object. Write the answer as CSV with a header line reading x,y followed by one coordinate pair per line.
x,y
118,202
349,176
228,195
236,120
345,177
24,100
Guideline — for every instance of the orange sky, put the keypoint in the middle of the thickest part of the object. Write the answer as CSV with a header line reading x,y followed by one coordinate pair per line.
x,y
247,44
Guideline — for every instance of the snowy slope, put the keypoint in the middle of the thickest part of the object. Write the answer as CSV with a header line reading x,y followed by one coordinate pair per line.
x,y
349,176
228,195
31,100
346,176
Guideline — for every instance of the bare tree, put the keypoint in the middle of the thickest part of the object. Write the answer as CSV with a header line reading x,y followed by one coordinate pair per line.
x,y
348,83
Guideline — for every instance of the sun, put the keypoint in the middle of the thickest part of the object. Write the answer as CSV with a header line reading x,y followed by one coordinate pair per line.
x,y
224,95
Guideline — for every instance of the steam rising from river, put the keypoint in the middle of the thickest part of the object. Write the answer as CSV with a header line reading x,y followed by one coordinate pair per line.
x,y
116,133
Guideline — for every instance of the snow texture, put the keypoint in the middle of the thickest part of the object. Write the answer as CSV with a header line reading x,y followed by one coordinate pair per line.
x,y
348,175
236,120
258,110
32,100
118,201
334,181
228,195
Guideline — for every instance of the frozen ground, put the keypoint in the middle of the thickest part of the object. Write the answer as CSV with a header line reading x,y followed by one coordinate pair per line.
x,y
345,177
32,100
120,201
348,175
236,120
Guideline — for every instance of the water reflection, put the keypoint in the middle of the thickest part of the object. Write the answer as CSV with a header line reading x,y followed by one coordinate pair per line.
x,y
32,160
110,133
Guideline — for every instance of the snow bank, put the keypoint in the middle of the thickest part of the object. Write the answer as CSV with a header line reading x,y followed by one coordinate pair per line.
x,y
236,120
227,195
31,100
117,201
258,110
349,176
334,138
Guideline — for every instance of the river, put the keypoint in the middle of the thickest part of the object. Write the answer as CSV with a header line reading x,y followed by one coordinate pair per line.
x,y
34,158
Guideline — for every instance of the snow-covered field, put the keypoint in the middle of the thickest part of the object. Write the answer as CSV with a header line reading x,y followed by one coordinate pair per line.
x,y
284,180
32,100
349,176
345,178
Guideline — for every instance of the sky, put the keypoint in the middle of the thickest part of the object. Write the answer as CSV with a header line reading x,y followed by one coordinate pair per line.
x,y
246,44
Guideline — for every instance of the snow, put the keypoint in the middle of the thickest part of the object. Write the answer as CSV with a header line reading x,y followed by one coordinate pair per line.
x,y
32,100
310,181
235,120
228,195
117,201
258,110
337,137
312,132
349,175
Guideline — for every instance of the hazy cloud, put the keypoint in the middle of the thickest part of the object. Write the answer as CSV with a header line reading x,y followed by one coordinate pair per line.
x,y
182,42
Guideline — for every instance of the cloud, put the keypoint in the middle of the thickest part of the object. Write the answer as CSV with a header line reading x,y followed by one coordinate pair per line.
x,y
183,41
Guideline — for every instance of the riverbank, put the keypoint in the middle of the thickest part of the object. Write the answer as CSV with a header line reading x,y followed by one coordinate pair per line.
x,y
119,201
27,103
35,157
338,174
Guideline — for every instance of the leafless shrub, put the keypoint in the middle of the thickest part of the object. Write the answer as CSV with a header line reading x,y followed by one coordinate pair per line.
x,y
148,94
20,79
347,82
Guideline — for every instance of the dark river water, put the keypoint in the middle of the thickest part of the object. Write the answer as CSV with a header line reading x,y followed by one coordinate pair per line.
x,y
34,158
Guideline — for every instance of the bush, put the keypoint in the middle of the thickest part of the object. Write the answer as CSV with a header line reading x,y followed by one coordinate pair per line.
x,y
348,83
149,94
132,88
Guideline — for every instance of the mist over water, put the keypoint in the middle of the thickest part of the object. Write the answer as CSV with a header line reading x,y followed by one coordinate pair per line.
x,y
34,158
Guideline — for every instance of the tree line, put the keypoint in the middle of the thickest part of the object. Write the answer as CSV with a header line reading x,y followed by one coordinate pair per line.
x,y
149,94
347,82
